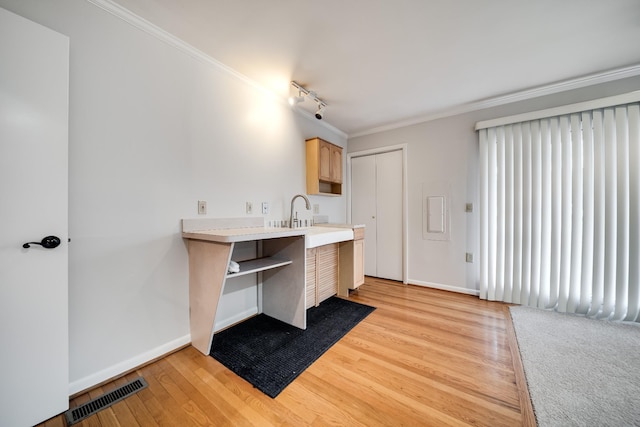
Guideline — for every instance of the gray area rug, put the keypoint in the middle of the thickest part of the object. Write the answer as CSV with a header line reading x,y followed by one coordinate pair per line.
x,y
580,371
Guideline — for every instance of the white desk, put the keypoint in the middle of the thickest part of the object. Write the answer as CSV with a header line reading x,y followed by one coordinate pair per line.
x,y
282,266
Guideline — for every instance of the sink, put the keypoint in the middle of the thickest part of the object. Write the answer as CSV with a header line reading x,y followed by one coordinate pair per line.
x,y
319,236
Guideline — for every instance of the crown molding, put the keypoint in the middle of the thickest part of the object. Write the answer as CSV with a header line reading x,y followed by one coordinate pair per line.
x,y
566,85
322,123
149,28
595,104
168,38
153,30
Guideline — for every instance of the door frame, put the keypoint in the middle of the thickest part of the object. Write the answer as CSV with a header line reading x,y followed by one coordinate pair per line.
x,y
405,210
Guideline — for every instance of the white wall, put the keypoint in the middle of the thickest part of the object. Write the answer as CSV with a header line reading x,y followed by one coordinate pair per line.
x,y
153,130
446,150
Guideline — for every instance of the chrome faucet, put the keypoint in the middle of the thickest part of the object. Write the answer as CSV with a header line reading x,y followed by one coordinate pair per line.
x,y
293,200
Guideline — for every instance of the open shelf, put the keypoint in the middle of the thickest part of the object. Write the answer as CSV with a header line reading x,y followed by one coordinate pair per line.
x,y
283,289
259,264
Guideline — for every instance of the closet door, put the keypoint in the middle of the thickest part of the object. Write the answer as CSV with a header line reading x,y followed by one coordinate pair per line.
x,y
389,209
363,207
376,202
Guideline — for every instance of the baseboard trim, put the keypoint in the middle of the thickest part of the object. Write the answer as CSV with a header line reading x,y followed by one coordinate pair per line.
x,y
124,367
445,287
230,321
526,407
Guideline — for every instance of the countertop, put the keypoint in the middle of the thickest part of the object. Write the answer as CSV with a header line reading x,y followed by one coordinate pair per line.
x,y
230,230
314,236
340,225
229,235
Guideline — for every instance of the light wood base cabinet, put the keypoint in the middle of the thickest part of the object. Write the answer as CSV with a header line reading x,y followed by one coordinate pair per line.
x,y
322,273
311,278
327,267
358,258
352,263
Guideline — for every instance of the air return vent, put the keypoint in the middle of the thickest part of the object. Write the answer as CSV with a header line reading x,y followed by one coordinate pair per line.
x,y
96,405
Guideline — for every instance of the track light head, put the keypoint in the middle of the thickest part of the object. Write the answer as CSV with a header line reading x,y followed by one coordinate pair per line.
x,y
306,93
293,100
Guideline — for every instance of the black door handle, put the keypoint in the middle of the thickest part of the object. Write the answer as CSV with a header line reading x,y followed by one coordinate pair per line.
x,y
48,242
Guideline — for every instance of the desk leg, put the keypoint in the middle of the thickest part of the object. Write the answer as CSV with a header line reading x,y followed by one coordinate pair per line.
x,y
208,263
284,289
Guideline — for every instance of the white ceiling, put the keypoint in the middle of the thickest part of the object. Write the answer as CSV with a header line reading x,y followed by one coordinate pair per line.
x,y
379,63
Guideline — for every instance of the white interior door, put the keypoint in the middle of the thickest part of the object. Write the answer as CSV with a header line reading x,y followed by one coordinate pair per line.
x,y
389,208
376,202
34,361
363,207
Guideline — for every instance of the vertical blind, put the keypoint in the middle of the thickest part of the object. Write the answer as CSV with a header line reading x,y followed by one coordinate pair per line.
x,y
560,213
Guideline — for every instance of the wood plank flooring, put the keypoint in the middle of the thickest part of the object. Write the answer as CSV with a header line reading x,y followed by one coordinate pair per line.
x,y
424,357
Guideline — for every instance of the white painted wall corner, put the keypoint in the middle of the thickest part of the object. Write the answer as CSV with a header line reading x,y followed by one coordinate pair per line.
x,y
127,365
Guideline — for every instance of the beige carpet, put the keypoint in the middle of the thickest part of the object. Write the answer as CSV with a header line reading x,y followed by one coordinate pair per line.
x,y
580,371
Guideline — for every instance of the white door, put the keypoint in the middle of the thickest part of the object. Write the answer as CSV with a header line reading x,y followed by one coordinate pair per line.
x,y
34,361
363,207
389,202
376,201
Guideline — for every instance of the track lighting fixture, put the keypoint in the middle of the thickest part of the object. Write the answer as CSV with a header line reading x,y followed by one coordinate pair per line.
x,y
302,94
293,100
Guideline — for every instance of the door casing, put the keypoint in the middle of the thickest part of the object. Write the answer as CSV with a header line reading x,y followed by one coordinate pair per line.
x,y
405,222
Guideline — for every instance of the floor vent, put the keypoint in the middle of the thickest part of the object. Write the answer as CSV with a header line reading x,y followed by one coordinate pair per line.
x,y
96,405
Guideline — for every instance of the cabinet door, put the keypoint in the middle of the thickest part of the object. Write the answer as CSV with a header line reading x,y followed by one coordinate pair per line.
x,y
311,277
327,271
324,166
358,263
336,164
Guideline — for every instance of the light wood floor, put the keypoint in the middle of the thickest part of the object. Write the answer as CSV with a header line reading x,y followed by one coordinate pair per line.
x,y
424,357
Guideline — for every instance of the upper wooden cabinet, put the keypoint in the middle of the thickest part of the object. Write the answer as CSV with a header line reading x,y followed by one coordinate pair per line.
x,y
324,167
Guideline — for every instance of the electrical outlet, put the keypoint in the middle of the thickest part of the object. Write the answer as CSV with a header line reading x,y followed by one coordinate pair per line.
x,y
265,208
202,207
316,209
469,257
249,208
